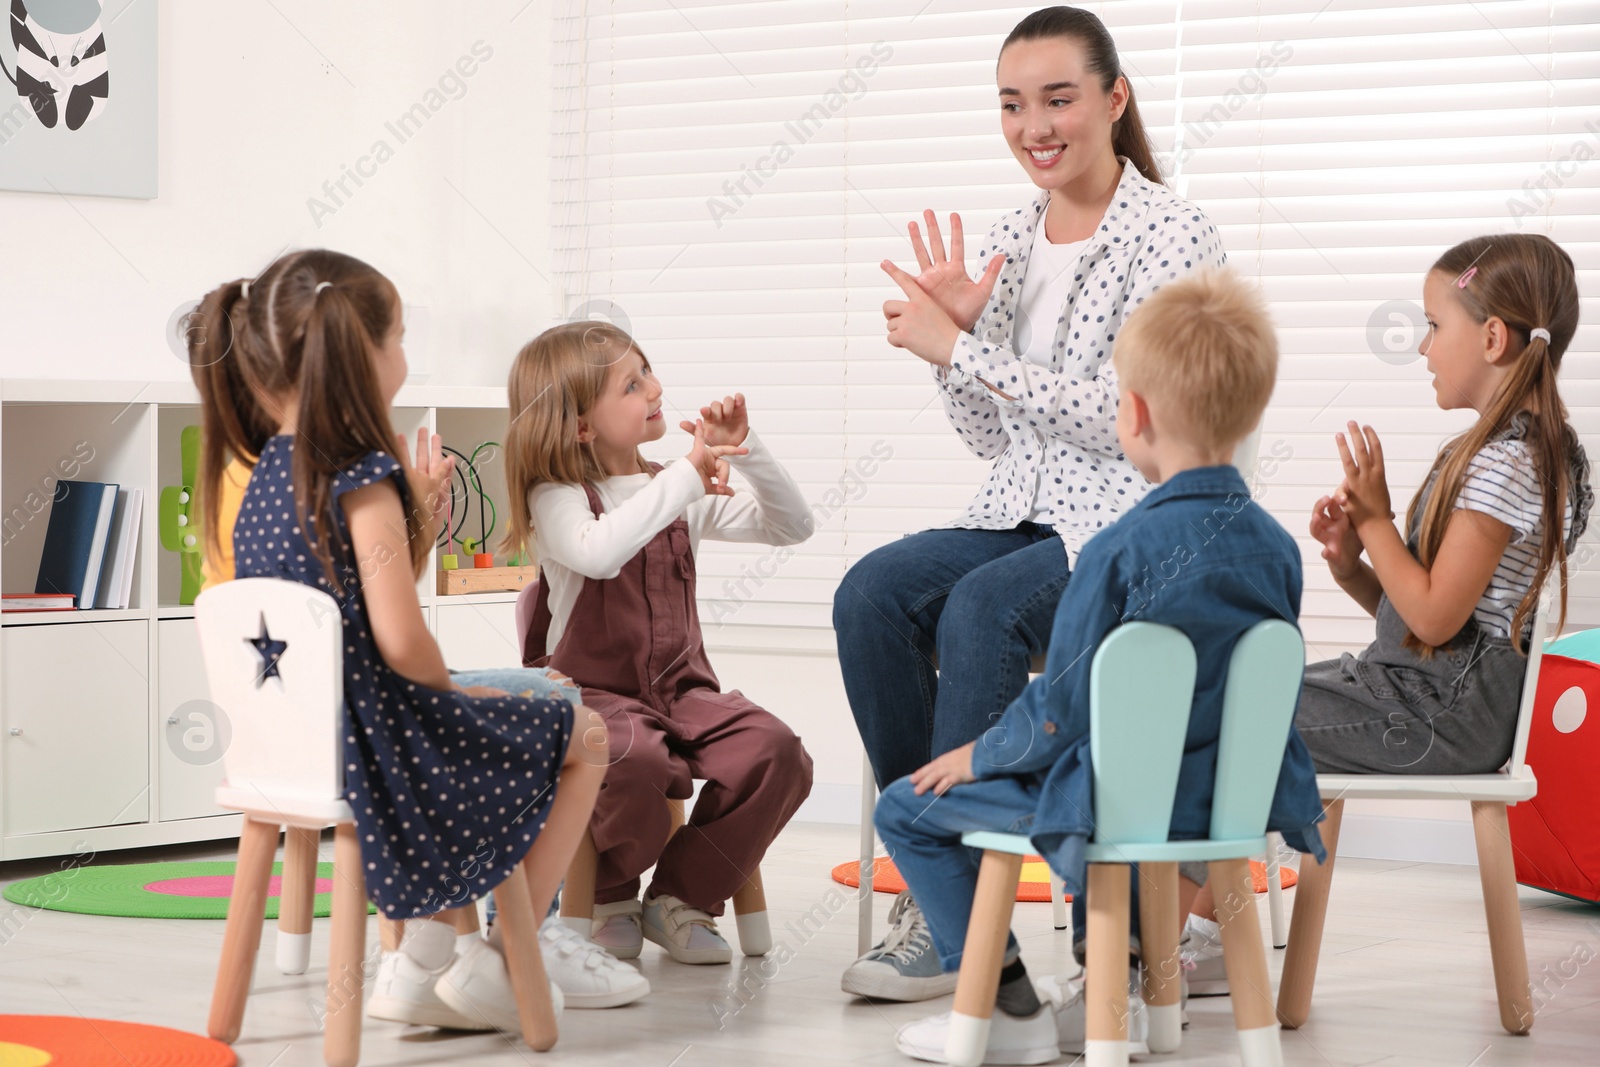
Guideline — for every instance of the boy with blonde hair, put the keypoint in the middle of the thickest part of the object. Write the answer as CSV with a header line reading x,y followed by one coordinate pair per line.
x,y
1195,365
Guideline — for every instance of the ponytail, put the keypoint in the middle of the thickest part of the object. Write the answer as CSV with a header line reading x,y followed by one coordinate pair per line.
x,y
1128,135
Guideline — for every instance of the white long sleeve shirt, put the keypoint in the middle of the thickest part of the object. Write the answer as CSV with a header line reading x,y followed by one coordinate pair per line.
x,y
573,544
1055,451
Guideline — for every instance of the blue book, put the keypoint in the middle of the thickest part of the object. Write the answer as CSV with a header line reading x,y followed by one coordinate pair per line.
x,y
75,541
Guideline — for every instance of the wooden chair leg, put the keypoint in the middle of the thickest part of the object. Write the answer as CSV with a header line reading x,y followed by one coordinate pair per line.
x,y
1163,967
1305,926
341,1033
675,807
1280,929
241,937
577,895
982,957
514,913
1506,947
1106,966
750,916
296,899
1245,959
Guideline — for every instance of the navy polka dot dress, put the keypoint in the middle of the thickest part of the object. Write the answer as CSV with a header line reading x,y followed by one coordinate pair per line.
x,y
449,791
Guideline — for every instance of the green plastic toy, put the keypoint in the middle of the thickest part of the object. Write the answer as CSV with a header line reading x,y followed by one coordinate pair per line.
x,y
180,517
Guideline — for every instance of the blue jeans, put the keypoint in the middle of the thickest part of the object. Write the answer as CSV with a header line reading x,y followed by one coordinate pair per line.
x,y
923,837
982,601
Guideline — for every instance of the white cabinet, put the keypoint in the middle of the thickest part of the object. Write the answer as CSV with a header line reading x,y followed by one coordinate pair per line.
x,y
477,636
75,702
192,733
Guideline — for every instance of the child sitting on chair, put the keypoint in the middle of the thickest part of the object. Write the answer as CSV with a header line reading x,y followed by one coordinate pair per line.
x,y
1196,365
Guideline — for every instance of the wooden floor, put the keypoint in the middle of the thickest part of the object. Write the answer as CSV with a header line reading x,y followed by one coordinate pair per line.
x,y
1404,981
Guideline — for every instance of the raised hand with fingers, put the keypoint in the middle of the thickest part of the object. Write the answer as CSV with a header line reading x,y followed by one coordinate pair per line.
x,y
1364,496
710,461
1341,545
944,278
917,323
727,421
428,477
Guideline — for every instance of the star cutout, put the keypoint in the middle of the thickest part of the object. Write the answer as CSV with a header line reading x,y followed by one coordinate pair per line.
x,y
270,651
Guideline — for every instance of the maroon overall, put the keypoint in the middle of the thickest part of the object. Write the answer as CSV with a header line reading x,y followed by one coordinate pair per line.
x,y
633,644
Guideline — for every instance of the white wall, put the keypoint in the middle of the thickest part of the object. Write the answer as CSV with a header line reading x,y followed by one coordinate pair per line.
x,y
257,110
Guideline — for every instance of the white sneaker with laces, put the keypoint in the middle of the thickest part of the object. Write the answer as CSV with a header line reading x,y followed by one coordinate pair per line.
x,y
587,975
1011,1039
688,934
616,929
903,966
477,986
1202,958
1066,1000
404,992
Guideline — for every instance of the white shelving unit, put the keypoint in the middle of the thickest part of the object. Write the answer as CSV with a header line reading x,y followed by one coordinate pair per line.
x,y
102,745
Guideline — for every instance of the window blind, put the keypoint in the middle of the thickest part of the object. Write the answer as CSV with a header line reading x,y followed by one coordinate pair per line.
x,y
728,176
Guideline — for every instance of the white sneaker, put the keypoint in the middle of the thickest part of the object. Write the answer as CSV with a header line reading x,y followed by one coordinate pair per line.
x,y
587,975
903,966
477,986
1066,1000
404,992
616,929
688,934
1011,1040
1202,958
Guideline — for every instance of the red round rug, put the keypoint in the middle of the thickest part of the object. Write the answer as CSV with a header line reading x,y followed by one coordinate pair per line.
x,y
71,1041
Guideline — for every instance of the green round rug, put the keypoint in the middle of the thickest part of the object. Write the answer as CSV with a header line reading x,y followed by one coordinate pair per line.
x,y
154,890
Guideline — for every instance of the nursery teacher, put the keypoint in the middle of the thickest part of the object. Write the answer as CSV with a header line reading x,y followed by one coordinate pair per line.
x,y
1022,359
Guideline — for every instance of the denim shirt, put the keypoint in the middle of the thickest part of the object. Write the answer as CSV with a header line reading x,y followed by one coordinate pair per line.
x,y
1197,554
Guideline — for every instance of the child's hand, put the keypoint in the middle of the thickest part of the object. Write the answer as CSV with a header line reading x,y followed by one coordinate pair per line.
x,y
1341,545
918,323
429,479
709,461
946,280
727,421
952,768
1364,496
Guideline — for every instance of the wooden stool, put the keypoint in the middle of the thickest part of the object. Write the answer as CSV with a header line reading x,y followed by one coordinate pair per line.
x,y
283,766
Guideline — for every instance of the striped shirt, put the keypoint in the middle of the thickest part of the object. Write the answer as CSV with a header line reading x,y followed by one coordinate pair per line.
x,y
1503,483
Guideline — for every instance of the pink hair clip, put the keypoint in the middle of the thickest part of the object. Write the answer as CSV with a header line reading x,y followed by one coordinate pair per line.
x,y
1466,276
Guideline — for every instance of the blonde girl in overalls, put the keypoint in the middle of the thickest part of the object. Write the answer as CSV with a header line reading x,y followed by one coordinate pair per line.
x,y
616,537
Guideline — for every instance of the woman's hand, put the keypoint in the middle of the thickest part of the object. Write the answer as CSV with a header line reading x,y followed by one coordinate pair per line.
x,y
945,279
952,768
429,479
1341,546
917,323
1364,496
727,421
708,460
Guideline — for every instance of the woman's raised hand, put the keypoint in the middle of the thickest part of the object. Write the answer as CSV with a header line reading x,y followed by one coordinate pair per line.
x,y
945,277
709,461
428,477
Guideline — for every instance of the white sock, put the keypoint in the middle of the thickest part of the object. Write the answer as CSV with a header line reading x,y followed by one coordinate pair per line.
x,y
428,944
464,941
1206,928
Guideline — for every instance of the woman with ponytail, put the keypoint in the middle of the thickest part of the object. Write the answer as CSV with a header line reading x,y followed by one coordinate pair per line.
x,y
1021,357
454,789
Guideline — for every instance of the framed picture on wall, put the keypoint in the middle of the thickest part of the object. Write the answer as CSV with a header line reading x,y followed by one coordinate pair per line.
x,y
78,106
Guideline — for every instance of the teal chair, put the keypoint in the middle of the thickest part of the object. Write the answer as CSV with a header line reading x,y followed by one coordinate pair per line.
x,y
1138,717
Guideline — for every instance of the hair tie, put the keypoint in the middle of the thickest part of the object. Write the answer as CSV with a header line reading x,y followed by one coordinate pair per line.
x,y
320,286
1466,276
1541,333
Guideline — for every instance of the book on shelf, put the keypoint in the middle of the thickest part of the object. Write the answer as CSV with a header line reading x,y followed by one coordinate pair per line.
x,y
75,541
36,602
116,576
